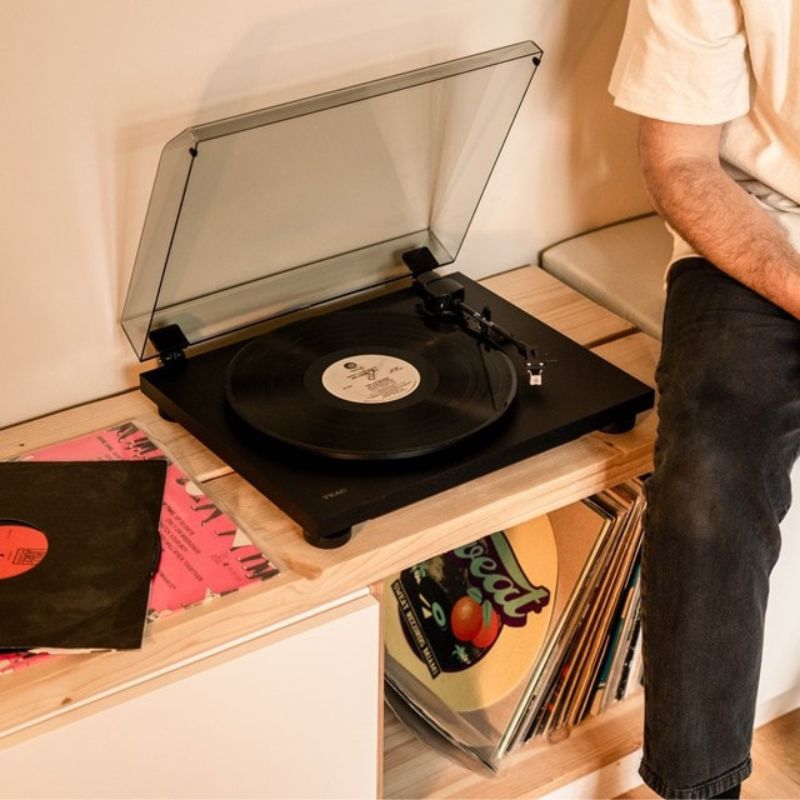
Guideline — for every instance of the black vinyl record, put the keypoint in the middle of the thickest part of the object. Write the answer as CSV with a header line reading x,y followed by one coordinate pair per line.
x,y
79,544
368,385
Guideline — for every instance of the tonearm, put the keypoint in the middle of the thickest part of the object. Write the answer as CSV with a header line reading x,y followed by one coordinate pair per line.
x,y
443,297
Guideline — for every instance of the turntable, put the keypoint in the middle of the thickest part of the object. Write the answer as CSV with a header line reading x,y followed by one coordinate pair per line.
x,y
288,279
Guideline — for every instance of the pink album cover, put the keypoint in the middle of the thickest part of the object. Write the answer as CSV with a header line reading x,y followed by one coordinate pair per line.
x,y
13,661
204,553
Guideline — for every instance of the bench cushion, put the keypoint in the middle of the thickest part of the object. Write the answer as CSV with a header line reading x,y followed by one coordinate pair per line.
x,y
620,267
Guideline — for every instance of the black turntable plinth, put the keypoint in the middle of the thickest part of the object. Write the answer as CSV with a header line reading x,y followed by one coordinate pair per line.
x,y
284,213
398,455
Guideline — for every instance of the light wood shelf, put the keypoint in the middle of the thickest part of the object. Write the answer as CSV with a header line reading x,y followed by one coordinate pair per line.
x,y
413,768
379,548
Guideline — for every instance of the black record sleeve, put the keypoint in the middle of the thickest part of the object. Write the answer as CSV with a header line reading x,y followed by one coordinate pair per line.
x,y
87,588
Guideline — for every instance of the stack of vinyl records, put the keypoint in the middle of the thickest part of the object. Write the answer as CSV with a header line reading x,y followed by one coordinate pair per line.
x,y
524,632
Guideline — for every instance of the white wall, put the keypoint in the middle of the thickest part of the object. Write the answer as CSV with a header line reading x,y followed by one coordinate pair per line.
x,y
779,688
91,89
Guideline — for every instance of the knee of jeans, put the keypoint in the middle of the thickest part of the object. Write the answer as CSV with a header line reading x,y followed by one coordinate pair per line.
x,y
707,495
711,425
685,484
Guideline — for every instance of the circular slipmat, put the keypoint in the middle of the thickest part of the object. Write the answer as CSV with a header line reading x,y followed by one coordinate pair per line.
x,y
369,385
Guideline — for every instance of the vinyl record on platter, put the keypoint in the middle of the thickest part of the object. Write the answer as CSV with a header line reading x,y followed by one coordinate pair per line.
x,y
369,385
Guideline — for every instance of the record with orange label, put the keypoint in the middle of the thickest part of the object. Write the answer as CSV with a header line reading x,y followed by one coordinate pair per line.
x,y
79,543
467,623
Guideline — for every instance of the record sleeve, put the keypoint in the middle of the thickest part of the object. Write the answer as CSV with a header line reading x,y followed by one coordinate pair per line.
x,y
562,696
205,553
576,521
473,684
88,534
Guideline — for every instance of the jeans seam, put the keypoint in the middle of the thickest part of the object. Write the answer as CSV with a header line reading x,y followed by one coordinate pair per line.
x,y
719,783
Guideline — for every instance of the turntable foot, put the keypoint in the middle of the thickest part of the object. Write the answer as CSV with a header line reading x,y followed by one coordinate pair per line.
x,y
621,425
329,540
163,414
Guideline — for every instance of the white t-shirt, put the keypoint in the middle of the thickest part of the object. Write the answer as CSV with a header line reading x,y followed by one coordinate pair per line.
x,y
705,62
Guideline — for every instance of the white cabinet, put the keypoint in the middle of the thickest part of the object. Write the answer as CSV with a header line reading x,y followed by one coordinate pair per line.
x,y
294,713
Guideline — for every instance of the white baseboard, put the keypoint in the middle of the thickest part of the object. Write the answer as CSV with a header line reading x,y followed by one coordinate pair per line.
x,y
609,781
777,706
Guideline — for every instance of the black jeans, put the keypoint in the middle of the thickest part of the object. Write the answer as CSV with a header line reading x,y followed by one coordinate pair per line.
x,y
729,431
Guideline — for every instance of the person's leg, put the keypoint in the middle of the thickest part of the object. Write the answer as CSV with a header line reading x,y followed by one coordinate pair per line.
x,y
729,430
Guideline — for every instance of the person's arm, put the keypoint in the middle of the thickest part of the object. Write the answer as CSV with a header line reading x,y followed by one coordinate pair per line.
x,y
689,188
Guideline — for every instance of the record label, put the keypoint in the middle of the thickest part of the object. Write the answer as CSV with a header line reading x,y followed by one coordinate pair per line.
x,y
371,378
21,548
